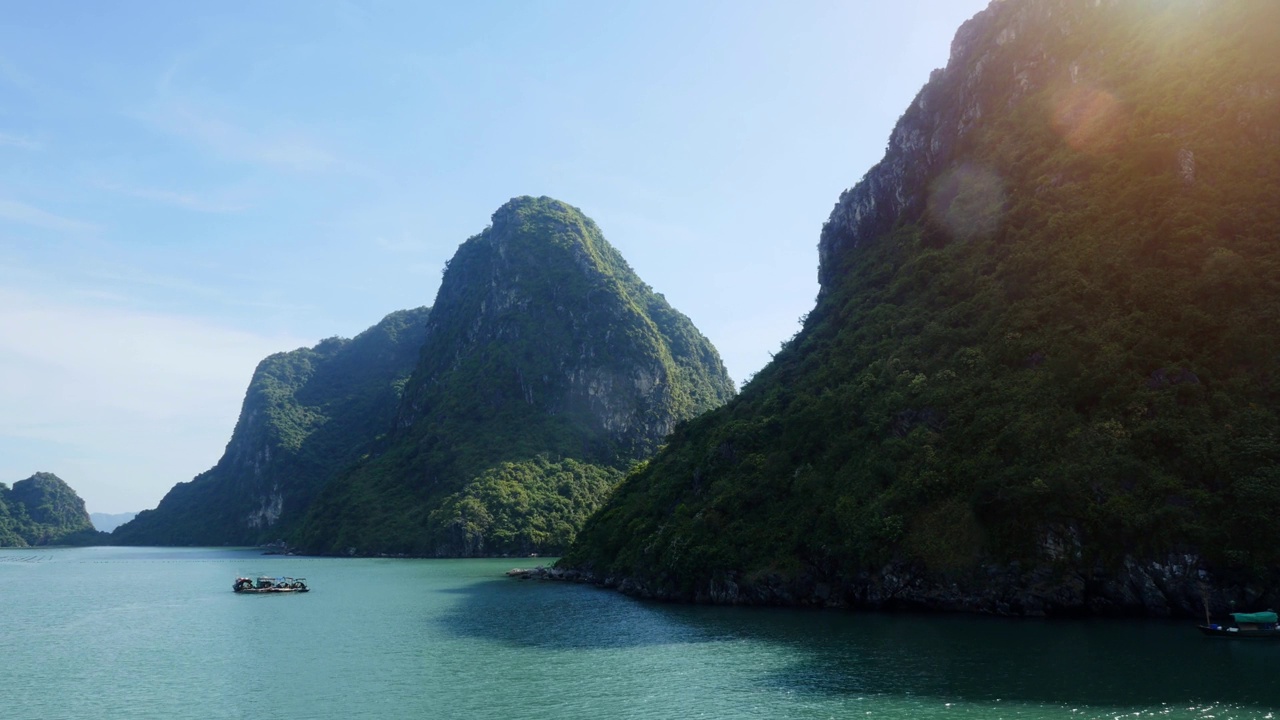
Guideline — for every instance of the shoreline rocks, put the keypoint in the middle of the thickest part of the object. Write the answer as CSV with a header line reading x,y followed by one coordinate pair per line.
x,y
1174,588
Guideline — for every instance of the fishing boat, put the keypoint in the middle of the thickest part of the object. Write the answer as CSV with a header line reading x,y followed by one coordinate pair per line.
x,y
1246,625
267,584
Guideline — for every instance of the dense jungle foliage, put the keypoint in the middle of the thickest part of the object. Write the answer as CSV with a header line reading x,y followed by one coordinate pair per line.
x,y
43,510
518,508
549,368
307,415
1070,358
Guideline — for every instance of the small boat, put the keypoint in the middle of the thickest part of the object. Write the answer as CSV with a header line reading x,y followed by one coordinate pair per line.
x,y
1247,625
267,584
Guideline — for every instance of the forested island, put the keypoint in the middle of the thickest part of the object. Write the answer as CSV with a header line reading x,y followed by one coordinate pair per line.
x,y
44,510
492,423
1043,372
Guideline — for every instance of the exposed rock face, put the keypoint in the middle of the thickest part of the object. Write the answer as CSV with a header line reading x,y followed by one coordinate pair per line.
x,y
307,414
1172,587
1187,166
542,342
269,512
1154,589
1175,587
1003,55
595,344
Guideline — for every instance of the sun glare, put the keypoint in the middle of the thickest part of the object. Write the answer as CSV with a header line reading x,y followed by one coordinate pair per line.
x,y
1088,119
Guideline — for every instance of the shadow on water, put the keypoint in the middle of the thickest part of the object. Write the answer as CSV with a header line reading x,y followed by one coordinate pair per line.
x,y
967,658
561,616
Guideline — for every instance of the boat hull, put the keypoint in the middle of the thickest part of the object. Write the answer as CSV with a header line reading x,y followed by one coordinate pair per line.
x,y
1239,634
263,591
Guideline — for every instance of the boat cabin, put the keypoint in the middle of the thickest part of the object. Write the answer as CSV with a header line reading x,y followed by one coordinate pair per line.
x,y
1255,622
1247,625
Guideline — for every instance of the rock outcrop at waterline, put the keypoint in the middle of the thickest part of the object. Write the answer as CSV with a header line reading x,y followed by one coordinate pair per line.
x,y
1041,374
1175,587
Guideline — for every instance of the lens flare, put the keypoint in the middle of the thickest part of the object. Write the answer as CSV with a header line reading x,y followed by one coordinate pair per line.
x,y
968,202
1089,119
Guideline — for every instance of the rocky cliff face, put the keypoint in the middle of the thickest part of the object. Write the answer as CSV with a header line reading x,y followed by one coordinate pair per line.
x,y
1032,383
999,59
542,299
307,414
543,344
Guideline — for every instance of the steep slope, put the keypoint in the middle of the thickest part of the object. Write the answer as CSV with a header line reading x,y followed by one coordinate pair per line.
x,y
42,510
307,414
1041,375
549,367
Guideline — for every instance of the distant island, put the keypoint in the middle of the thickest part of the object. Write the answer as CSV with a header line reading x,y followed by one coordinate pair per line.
x,y
106,522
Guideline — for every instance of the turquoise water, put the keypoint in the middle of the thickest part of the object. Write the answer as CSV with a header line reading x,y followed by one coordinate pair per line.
x,y
157,633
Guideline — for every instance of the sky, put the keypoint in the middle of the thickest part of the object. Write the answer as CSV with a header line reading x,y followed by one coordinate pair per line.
x,y
187,188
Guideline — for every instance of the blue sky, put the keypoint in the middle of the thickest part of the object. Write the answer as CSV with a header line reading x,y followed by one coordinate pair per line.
x,y
186,188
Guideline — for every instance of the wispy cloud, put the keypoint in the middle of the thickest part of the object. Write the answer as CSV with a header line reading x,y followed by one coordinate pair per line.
x,y
128,277
284,149
229,130
175,285
18,141
34,216
187,200
405,244
133,401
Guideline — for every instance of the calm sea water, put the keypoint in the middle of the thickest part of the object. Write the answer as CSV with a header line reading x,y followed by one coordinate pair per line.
x,y
157,633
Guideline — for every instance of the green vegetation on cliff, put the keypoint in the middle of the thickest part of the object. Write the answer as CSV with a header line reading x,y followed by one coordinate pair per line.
x,y
1062,349
307,415
43,510
548,368
521,507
